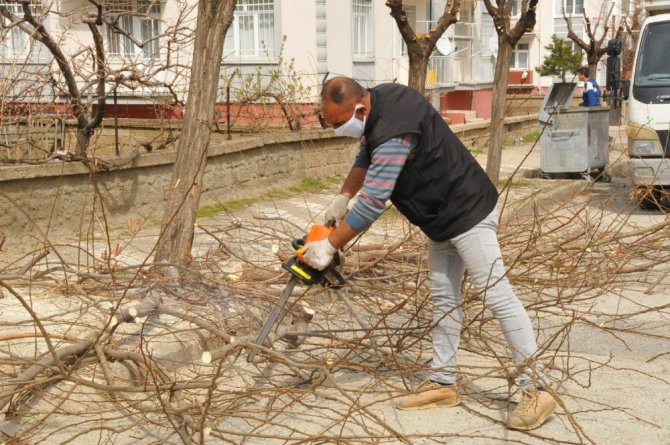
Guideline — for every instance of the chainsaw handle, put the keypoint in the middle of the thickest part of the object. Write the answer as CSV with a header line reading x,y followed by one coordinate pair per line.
x,y
298,243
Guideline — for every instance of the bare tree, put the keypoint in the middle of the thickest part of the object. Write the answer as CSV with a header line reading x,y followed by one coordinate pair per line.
x,y
508,36
82,74
420,46
31,129
596,46
214,19
276,86
33,25
632,25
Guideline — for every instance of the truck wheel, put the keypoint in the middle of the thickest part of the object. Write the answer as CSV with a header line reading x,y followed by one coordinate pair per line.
x,y
606,177
664,201
650,202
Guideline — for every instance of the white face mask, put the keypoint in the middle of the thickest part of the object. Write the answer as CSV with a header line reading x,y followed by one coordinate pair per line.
x,y
353,128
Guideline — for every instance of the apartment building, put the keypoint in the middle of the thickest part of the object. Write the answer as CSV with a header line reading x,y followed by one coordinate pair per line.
x,y
357,38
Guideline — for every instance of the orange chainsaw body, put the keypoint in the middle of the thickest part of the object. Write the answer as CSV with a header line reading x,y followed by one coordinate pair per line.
x,y
316,233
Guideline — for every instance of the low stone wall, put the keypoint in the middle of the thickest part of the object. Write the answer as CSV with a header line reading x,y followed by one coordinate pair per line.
x,y
60,197
526,104
477,134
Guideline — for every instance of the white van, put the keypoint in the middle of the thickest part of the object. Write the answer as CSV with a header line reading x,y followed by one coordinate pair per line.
x,y
648,121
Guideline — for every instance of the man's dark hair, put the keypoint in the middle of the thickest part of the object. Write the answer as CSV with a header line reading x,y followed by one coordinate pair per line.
x,y
339,88
584,71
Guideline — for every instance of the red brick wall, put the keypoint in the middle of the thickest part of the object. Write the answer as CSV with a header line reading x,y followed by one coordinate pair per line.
x,y
249,114
481,102
476,100
515,78
456,100
143,111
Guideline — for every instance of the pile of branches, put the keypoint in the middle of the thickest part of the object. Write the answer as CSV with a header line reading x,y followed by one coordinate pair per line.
x,y
111,349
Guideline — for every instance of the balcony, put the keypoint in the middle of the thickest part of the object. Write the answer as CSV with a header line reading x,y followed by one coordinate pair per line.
x,y
460,30
460,69
471,63
468,65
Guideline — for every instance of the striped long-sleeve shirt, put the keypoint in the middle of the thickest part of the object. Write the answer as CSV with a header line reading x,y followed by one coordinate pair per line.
x,y
388,159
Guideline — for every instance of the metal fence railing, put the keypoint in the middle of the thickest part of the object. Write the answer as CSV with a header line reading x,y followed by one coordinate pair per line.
x,y
482,67
458,68
440,72
31,138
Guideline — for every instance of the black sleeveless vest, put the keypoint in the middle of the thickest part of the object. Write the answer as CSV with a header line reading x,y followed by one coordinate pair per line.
x,y
441,189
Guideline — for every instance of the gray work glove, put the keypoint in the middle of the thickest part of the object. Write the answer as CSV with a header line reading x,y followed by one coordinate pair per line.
x,y
337,209
318,254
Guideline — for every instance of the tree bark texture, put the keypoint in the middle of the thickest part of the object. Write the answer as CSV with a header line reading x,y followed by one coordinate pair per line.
x,y
418,69
498,106
508,37
176,239
593,66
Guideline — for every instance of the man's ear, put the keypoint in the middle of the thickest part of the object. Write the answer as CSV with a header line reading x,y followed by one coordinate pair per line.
x,y
362,111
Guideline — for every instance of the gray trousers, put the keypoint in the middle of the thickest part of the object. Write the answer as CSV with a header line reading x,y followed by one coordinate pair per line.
x,y
478,251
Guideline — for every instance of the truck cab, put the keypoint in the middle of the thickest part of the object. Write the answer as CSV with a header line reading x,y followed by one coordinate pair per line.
x,y
648,122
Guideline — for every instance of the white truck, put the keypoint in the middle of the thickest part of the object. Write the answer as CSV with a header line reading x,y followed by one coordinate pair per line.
x,y
648,121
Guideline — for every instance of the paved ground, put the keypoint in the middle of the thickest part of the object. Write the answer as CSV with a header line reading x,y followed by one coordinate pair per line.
x,y
620,394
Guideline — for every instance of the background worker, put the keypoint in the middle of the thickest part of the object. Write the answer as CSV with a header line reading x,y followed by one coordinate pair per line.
x,y
590,88
408,154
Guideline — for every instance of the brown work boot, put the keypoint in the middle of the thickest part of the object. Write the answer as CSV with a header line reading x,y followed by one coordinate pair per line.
x,y
429,396
535,407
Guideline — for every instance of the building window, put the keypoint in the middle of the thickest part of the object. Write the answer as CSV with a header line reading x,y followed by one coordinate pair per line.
x,y
569,6
362,28
252,33
575,46
139,19
14,43
519,60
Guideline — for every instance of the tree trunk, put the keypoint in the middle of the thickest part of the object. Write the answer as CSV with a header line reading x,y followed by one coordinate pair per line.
x,y
593,65
418,69
176,239
83,141
498,106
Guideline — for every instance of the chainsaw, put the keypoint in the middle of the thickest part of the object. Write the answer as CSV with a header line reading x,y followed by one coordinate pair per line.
x,y
301,272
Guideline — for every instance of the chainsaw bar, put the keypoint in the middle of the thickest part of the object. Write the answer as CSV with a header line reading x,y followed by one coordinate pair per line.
x,y
329,277
276,316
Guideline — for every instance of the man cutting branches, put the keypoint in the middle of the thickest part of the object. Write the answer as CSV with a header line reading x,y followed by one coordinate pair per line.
x,y
409,155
